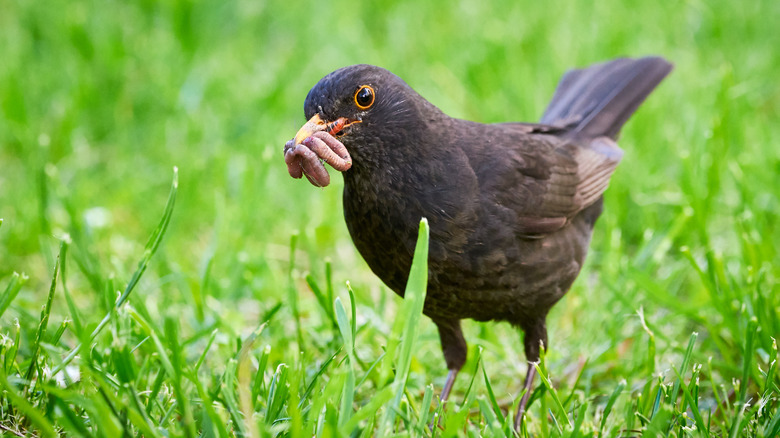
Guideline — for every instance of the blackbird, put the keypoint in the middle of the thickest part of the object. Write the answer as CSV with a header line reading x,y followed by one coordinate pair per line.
x,y
511,206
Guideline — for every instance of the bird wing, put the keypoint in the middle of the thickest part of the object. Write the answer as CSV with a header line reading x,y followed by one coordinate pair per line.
x,y
546,180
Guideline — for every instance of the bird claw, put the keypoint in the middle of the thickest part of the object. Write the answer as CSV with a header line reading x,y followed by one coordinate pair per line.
x,y
307,157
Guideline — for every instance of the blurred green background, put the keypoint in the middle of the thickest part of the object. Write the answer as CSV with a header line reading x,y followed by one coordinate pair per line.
x,y
100,100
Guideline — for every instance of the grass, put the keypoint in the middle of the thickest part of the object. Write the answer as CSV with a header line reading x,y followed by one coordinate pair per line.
x,y
249,313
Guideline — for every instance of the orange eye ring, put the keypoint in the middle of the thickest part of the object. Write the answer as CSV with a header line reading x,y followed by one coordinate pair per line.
x,y
364,97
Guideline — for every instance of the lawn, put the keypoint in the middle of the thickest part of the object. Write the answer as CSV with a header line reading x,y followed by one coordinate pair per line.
x,y
162,275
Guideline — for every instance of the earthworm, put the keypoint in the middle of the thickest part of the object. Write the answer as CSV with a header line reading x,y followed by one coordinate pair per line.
x,y
304,158
329,149
292,161
301,161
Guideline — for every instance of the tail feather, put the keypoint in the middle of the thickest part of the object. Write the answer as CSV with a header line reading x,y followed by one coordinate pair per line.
x,y
598,100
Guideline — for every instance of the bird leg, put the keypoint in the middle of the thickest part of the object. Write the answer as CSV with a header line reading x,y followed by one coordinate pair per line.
x,y
535,338
454,347
528,387
445,393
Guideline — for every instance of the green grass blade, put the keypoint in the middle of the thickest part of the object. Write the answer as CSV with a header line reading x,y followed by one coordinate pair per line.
x,y
650,367
206,349
557,425
371,368
70,423
228,394
470,394
329,283
769,379
292,293
45,314
578,421
772,428
347,334
425,409
25,408
492,397
201,289
493,423
344,326
659,425
321,299
547,384
258,386
685,364
576,384
378,400
72,308
610,403
216,420
172,366
353,308
277,394
151,247
319,411
658,397
244,384
320,372
700,425
138,415
347,396
154,240
747,358
13,288
111,400
410,313
9,359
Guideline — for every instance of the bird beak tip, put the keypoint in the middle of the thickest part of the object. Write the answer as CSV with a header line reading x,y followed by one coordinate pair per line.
x,y
310,127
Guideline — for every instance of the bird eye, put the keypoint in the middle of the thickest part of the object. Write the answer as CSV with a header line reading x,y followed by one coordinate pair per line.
x,y
364,97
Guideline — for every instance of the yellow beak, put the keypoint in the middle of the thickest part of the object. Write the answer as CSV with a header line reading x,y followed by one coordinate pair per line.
x,y
313,125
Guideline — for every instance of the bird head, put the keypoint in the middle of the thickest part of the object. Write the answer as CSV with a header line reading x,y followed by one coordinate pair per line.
x,y
367,108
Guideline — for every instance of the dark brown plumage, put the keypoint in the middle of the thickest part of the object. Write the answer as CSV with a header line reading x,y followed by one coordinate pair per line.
x,y
511,206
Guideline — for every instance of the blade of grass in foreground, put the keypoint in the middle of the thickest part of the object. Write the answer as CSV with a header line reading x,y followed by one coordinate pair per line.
x,y
541,369
747,356
349,344
13,288
610,403
492,398
694,405
149,250
244,379
686,361
24,407
45,313
410,313
292,294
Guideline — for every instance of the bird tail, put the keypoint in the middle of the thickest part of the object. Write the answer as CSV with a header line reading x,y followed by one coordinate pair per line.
x,y
596,101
